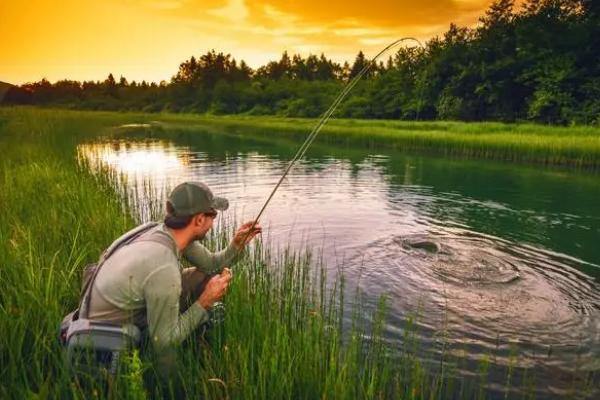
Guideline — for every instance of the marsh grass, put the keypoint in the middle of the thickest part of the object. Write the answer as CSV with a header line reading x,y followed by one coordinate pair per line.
x,y
577,147
284,334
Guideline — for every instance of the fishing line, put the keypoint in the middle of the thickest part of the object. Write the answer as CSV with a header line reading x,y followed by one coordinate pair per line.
x,y
323,120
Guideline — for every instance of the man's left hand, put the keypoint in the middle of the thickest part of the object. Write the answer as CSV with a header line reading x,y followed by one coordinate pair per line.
x,y
245,234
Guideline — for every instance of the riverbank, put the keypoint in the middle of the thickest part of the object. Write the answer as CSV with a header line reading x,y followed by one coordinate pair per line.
x,y
282,336
573,147
577,147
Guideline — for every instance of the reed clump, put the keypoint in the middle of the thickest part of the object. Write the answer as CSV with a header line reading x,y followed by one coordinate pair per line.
x,y
577,146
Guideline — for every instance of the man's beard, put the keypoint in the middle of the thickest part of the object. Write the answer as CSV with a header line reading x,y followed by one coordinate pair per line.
x,y
200,236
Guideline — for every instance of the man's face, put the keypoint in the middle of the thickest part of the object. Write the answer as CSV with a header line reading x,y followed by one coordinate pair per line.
x,y
203,223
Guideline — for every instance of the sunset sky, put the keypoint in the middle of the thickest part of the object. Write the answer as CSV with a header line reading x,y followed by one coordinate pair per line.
x,y
83,39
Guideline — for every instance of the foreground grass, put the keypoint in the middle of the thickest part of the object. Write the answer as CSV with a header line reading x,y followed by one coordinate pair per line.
x,y
282,337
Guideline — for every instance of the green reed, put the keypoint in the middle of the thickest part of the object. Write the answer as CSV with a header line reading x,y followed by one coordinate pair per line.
x,y
284,334
577,147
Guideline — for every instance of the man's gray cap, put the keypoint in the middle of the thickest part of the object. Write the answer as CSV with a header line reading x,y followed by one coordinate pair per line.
x,y
190,198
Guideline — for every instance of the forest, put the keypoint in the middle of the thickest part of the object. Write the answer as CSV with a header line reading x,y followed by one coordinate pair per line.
x,y
538,62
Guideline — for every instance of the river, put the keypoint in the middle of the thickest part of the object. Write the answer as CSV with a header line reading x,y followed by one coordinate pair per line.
x,y
492,260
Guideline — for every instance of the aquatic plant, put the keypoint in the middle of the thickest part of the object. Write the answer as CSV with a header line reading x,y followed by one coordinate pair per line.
x,y
577,147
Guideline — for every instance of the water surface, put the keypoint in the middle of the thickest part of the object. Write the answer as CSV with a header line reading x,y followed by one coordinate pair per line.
x,y
497,262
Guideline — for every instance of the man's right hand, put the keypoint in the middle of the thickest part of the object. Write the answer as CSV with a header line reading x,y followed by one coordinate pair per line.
x,y
215,289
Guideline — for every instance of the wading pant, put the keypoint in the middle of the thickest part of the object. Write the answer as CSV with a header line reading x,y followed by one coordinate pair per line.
x,y
193,282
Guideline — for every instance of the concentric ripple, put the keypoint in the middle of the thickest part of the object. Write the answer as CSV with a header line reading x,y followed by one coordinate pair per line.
x,y
461,263
489,294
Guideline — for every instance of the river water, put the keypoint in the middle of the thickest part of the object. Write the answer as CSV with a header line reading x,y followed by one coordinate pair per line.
x,y
498,264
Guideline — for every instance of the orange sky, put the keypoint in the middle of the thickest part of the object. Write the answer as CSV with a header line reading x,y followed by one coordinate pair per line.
x,y
84,39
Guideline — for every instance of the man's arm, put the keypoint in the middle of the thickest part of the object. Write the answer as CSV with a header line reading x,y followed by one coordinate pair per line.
x,y
162,290
209,262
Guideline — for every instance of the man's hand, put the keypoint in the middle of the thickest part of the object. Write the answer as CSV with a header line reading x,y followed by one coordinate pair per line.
x,y
244,234
215,289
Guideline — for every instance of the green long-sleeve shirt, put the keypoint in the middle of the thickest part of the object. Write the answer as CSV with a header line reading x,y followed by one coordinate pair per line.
x,y
141,283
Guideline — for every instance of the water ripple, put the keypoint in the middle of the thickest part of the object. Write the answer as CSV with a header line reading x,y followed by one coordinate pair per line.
x,y
484,268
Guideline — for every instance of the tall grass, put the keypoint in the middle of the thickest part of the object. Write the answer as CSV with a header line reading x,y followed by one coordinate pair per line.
x,y
577,147
55,217
283,335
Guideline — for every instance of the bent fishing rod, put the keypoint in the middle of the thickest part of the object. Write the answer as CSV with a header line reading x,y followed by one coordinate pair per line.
x,y
322,121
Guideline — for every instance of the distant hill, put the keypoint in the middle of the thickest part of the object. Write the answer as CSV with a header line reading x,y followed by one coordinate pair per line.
x,y
3,88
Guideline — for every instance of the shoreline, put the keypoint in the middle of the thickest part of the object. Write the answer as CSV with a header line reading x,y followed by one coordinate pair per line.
x,y
576,148
571,147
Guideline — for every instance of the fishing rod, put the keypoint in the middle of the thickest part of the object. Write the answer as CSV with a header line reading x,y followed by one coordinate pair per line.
x,y
322,121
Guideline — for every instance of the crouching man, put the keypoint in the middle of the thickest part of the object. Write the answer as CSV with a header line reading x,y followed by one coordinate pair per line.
x,y
143,281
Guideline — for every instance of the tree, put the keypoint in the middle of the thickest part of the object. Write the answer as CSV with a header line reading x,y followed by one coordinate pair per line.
x,y
360,62
110,86
326,69
298,68
276,70
110,81
540,63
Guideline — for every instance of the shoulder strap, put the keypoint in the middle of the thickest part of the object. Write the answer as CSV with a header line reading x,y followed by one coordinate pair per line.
x,y
158,237
124,240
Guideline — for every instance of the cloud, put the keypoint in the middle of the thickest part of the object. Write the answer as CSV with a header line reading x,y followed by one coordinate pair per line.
x,y
147,39
388,13
257,28
335,26
234,11
382,13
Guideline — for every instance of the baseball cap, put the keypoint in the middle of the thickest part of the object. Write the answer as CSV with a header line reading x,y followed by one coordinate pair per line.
x,y
190,198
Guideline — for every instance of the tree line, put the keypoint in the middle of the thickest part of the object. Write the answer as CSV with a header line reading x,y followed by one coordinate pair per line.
x,y
539,63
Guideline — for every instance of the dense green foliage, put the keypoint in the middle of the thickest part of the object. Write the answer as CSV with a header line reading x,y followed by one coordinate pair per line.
x,y
538,63
3,89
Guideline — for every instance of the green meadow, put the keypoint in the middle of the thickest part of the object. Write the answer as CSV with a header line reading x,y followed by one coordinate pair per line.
x,y
283,335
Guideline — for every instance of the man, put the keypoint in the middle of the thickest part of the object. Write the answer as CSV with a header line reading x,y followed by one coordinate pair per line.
x,y
142,282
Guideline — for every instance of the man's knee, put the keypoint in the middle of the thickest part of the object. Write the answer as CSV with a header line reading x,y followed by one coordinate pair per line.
x,y
193,282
